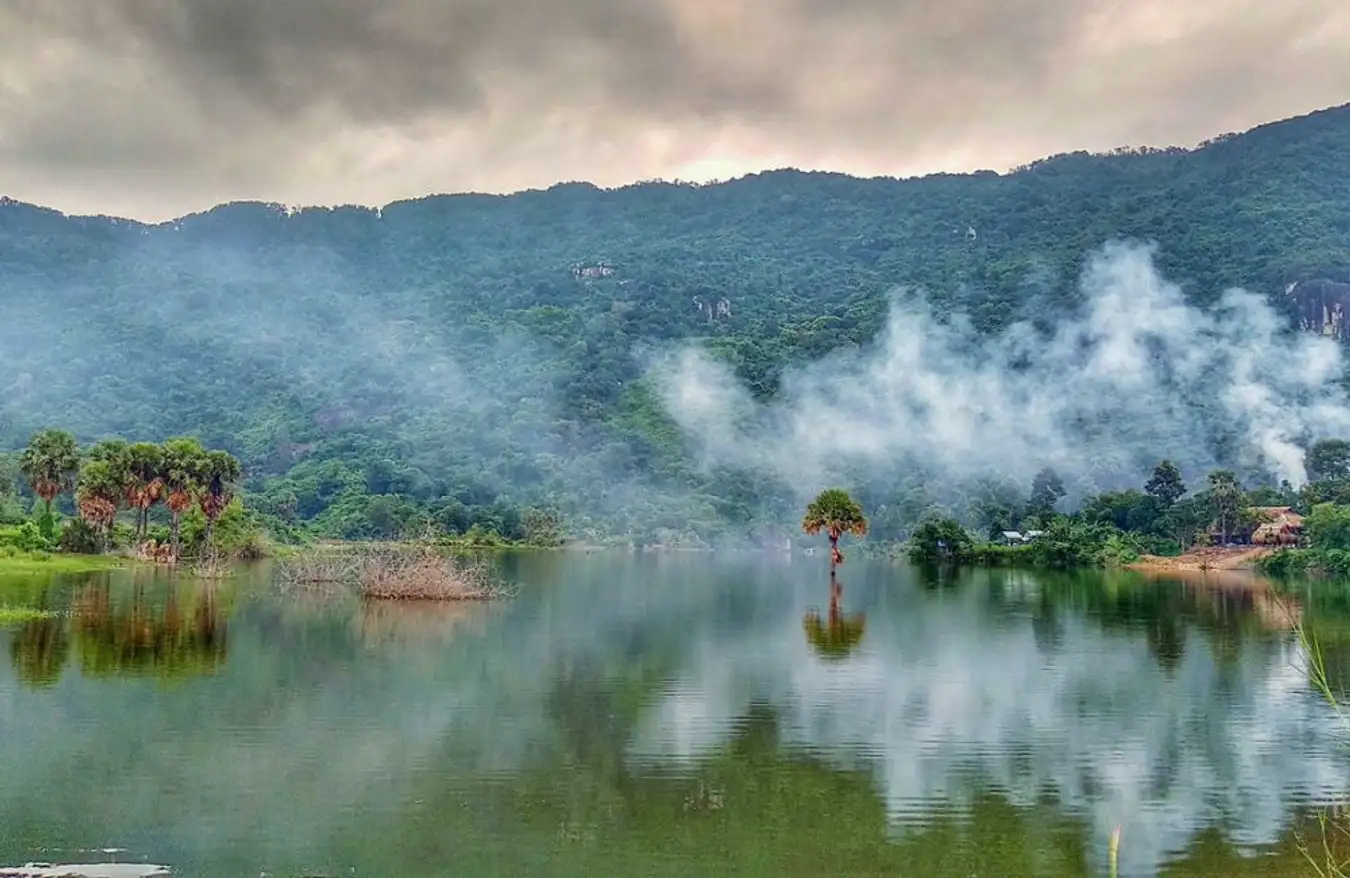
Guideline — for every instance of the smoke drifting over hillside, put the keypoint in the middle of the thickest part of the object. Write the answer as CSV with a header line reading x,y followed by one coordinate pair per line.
x,y
1136,375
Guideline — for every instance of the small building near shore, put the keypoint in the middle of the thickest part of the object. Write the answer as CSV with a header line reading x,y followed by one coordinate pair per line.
x,y
1280,526
1018,538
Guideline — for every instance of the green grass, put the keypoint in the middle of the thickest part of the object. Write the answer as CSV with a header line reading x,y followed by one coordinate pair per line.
x,y
45,562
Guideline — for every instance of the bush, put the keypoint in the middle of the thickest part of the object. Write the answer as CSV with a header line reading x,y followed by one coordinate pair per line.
x,y
238,533
78,538
24,538
1323,562
11,511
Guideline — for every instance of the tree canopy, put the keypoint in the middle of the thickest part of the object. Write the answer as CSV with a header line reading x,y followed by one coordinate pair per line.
x,y
472,360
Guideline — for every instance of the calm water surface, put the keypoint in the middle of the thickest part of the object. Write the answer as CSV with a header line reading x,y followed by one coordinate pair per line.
x,y
666,715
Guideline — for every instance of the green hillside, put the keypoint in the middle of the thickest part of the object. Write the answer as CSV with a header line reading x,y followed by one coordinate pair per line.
x,y
467,358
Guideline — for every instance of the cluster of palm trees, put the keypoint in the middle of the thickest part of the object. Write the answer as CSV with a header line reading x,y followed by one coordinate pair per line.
x,y
114,474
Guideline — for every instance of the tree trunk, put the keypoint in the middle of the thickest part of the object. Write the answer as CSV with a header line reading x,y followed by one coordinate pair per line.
x,y
834,553
206,537
174,517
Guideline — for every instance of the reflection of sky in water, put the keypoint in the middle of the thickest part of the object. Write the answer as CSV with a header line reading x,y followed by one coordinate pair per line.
x,y
939,708
948,695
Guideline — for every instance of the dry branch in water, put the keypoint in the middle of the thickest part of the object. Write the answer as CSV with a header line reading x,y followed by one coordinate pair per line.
x,y
212,566
393,574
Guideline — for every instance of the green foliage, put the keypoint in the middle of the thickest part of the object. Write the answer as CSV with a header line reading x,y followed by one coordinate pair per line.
x,y
11,508
1165,486
1225,500
50,463
836,513
1327,527
543,528
1329,460
78,537
1046,490
26,537
1318,562
940,540
312,345
237,533
114,476
1070,542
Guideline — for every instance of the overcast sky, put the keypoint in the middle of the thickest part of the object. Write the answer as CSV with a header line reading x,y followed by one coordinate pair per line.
x,y
153,108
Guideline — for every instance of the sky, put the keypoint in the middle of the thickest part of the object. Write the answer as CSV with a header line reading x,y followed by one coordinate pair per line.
x,y
155,108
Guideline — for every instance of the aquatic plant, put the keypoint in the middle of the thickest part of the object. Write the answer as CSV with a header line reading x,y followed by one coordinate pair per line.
x,y
1326,856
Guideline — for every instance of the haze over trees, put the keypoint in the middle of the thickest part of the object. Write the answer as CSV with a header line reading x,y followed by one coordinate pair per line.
x,y
479,362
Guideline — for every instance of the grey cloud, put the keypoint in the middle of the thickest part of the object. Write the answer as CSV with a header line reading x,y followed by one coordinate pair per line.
x,y
154,103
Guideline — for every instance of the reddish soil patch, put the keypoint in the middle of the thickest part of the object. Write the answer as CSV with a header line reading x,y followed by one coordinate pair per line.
x,y
1236,558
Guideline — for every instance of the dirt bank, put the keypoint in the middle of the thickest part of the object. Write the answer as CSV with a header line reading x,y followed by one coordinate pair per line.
x,y
1236,558
1213,570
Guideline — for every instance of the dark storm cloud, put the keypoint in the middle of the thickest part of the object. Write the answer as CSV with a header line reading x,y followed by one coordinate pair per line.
x,y
154,106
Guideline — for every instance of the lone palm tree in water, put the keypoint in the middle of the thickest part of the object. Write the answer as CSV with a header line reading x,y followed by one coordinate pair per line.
x,y
836,513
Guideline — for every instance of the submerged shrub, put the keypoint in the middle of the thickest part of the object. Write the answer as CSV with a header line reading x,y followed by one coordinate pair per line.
x,y
392,574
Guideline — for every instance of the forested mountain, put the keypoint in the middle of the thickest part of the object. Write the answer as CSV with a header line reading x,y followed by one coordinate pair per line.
x,y
466,358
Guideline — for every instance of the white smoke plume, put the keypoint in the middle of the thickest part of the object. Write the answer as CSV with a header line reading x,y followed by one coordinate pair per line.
x,y
1135,375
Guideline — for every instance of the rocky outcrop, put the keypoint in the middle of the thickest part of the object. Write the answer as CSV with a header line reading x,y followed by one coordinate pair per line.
x,y
712,309
1322,305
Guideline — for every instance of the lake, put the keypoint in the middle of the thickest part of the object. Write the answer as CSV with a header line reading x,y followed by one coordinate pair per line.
x,y
667,715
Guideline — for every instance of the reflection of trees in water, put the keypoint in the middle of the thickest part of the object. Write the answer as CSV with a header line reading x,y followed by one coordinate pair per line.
x,y
839,635
135,637
1161,610
417,622
40,650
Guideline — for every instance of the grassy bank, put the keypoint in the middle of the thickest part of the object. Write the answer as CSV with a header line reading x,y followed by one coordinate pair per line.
x,y
47,562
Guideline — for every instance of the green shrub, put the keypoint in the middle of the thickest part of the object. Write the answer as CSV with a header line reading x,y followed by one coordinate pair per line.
x,y
24,538
78,538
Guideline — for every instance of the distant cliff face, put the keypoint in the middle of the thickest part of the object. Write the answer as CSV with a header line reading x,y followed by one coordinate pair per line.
x,y
1322,306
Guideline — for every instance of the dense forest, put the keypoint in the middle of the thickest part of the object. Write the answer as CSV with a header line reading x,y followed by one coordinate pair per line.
x,y
485,360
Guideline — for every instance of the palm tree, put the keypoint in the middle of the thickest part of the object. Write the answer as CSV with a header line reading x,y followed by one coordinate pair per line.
x,y
836,513
50,464
144,483
181,463
97,496
217,475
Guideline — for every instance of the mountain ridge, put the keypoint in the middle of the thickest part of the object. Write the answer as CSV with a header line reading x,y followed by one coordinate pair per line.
x,y
467,357
1141,149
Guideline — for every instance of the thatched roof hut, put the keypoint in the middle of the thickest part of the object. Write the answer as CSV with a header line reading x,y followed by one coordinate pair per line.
x,y
1280,526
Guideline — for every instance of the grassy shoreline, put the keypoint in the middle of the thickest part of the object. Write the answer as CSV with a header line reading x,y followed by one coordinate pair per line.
x,y
44,562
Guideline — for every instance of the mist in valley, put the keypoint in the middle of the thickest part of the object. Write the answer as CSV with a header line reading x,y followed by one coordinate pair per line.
x,y
1134,375
317,347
